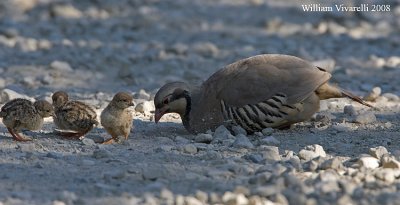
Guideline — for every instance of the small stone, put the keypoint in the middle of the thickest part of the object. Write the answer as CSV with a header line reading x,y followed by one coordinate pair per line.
x,y
311,152
87,162
68,197
66,11
115,174
54,155
56,202
324,117
178,49
323,105
142,94
221,134
390,162
47,79
256,158
390,96
266,191
203,138
29,81
342,127
393,61
334,163
270,140
378,152
61,66
368,162
242,142
181,140
270,153
375,92
146,107
164,148
387,175
237,130
365,118
2,82
349,110
201,196
8,94
230,198
189,200
88,142
153,172
167,196
206,49
27,147
260,178
190,149
267,131
101,153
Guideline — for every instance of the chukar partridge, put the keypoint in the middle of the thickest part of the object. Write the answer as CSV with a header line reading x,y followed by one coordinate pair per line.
x,y
20,114
263,91
74,116
116,118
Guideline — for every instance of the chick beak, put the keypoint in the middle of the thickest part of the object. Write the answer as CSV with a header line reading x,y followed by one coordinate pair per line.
x,y
131,104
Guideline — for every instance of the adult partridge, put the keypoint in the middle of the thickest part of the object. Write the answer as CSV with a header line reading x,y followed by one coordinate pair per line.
x,y
74,118
270,90
21,114
116,117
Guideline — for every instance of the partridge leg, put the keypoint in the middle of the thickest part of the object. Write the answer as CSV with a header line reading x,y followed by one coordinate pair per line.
x,y
16,136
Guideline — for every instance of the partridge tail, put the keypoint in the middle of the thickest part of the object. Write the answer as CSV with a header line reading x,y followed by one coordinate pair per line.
x,y
327,91
355,98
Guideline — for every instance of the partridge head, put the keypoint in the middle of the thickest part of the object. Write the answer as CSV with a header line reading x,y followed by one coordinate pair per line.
x,y
262,91
172,98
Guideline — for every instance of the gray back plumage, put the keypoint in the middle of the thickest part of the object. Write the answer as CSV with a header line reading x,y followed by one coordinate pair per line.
x,y
251,81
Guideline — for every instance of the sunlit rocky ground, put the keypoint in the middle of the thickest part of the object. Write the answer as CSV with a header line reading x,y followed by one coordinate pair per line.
x,y
347,154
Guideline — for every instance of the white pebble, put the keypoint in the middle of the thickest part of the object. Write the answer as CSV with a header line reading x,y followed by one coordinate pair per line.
x,y
368,162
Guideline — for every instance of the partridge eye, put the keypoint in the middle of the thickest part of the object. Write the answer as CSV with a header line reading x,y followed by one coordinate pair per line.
x,y
166,101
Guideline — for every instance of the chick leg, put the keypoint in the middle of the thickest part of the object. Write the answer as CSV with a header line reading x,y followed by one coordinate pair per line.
x,y
113,138
69,135
110,141
73,135
16,136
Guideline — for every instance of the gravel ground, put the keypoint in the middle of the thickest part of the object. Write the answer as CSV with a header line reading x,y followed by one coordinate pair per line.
x,y
347,154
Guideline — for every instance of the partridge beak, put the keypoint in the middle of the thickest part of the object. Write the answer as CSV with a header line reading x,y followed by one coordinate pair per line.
x,y
159,113
132,104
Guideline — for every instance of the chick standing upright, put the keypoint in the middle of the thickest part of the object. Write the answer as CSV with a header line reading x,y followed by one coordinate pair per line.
x,y
73,116
19,114
116,117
